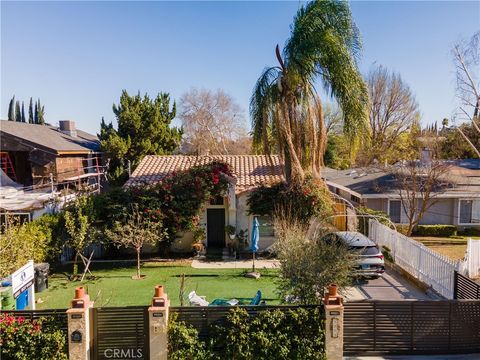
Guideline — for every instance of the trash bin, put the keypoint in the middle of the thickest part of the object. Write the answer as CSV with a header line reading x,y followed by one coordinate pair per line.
x,y
41,276
7,299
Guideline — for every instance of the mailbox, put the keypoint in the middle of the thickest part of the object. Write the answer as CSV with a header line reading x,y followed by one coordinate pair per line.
x,y
76,337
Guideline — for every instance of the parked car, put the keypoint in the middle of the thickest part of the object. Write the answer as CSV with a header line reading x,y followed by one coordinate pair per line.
x,y
370,259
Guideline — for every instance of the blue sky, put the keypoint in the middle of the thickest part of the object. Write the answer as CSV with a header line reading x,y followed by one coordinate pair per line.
x,y
78,56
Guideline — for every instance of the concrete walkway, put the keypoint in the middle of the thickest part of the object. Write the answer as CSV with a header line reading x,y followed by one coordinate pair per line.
x,y
416,357
234,264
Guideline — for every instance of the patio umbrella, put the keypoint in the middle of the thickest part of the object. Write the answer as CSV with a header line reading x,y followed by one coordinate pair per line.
x,y
254,241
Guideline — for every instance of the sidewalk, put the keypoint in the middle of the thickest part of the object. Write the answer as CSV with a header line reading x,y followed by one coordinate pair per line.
x,y
416,357
234,264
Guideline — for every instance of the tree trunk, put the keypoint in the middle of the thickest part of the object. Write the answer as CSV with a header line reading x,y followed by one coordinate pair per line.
x,y
138,262
75,265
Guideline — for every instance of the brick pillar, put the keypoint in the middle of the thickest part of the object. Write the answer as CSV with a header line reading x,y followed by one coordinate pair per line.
x,y
79,331
158,323
333,324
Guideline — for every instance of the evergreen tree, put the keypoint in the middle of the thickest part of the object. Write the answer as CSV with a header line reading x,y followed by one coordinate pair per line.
x,y
143,129
35,116
41,113
23,112
18,113
30,112
11,109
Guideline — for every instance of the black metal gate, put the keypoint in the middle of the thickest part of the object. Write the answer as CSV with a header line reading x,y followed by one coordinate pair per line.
x,y
120,333
411,327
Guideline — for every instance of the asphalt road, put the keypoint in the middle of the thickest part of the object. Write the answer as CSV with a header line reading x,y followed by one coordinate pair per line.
x,y
389,287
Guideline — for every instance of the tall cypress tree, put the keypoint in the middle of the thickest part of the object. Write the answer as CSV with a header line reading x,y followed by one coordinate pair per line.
x,y
23,112
30,112
35,117
18,113
41,113
11,109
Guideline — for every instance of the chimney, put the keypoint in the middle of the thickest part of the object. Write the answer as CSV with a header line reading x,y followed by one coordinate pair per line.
x,y
68,127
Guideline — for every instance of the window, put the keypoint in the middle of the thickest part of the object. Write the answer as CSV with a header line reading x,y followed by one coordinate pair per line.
x,y
265,226
469,212
394,210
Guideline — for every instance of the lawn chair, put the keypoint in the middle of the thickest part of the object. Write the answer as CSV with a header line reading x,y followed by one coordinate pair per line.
x,y
240,301
196,300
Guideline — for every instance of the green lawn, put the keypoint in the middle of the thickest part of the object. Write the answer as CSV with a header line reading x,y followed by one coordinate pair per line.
x,y
114,286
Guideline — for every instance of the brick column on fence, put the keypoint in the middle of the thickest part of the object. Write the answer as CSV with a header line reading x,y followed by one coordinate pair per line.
x,y
79,331
158,324
333,324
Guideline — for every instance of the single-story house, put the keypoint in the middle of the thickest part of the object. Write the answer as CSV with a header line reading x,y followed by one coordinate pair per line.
x,y
31,152
375,188
249,172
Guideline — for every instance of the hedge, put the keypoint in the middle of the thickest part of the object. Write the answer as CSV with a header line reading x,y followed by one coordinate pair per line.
x,y
436,230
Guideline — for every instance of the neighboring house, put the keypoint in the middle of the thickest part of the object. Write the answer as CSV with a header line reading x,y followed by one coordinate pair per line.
x,y
375,188
249,172
36,161
31,152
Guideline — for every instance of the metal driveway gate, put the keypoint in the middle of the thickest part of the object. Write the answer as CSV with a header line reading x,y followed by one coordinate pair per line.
x,y
465,288
411,327
120,333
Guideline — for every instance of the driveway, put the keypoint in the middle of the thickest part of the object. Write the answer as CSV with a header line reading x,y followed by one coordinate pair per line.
x,y
389,287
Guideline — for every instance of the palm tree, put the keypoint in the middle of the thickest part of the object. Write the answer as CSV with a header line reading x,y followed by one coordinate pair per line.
x,y
285,109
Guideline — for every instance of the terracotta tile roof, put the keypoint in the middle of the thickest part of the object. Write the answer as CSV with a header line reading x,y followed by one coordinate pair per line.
x,y
250,171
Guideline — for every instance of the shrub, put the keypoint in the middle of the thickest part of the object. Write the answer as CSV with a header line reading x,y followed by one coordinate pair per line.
x,y
37,240
184,343
23,339
436,230
271,334
470,232
309,263
366,214
298,202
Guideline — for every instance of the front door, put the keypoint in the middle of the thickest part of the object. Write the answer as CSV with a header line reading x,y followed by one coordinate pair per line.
x,y
216,228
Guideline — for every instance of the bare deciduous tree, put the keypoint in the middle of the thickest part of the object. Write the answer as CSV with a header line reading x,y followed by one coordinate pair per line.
x,y
393,111
466,57
419,185
136,231
212,121
333,119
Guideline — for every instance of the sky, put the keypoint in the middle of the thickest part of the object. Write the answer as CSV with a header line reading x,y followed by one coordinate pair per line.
x,y
78,56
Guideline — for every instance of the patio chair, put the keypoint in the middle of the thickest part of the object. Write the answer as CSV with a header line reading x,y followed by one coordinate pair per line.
x,y
196,300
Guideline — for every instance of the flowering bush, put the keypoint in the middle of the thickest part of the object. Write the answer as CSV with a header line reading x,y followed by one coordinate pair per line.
x,y
24,339
176,201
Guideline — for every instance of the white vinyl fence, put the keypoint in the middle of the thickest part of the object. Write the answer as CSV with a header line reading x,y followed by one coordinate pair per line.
x,y
421,262
471,264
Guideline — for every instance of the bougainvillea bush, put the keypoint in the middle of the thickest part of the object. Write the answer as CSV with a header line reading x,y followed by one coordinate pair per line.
x,y
296,202
25,339
177,200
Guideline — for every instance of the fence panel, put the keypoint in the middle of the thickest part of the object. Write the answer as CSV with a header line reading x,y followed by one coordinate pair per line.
x,y
202,317
465,288
421,262
121,331
411,327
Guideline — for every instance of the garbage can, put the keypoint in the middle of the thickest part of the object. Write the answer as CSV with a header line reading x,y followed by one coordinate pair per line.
x,y
41,276
7,299
21,302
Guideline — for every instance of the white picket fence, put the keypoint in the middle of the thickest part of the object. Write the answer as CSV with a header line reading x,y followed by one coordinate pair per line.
x,y
426,265
471,265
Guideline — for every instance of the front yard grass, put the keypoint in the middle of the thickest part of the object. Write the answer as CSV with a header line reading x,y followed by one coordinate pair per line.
x,y
113,285
453,247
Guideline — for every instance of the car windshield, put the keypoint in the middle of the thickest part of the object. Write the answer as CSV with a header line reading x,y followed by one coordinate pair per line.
x,y
365,250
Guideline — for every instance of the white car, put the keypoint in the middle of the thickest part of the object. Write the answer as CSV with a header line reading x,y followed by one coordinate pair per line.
x,y
370,259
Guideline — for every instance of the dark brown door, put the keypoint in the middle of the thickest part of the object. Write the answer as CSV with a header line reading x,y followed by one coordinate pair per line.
x,y
216,228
